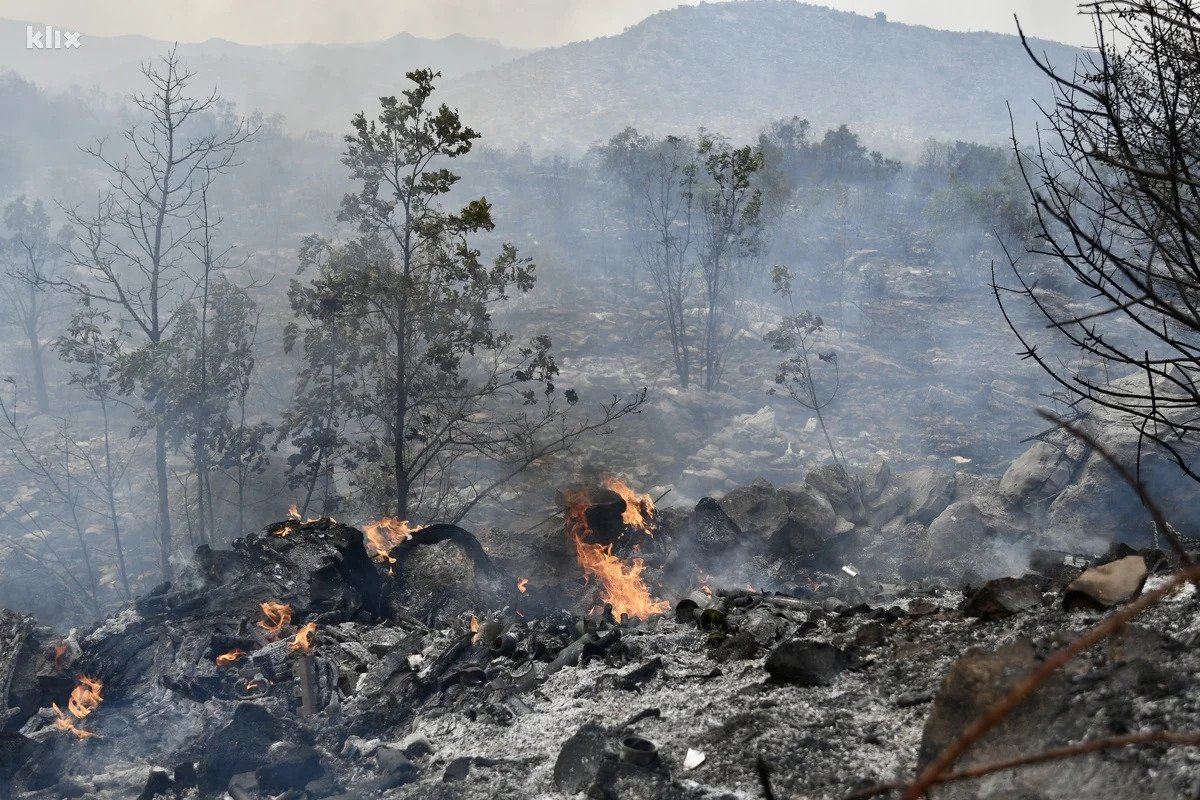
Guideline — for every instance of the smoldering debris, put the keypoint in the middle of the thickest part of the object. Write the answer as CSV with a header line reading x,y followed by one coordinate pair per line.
x,y
307,662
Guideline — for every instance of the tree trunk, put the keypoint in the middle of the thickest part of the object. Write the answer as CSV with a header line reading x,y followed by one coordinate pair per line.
x,y
39,367
111,497
164,503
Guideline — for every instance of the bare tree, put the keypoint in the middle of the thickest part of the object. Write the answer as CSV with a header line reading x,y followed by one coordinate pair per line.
x,y
1115,187
31,255
132,249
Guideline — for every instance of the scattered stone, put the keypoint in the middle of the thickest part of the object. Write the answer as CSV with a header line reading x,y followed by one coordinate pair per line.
x,y
806,663
1002,597
1107,585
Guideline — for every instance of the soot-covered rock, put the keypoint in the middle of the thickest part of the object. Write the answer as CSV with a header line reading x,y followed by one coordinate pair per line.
x,y
1003,597
242,745
806,663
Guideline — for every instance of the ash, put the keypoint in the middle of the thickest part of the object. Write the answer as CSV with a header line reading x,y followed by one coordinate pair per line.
x,y
437,670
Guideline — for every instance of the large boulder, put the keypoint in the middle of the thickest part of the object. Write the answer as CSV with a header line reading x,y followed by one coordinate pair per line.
x,y
976,528
932,490
840,488
1040,473
795,517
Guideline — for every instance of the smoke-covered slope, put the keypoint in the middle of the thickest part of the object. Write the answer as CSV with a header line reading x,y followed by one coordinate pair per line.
x,y
733,66
312,85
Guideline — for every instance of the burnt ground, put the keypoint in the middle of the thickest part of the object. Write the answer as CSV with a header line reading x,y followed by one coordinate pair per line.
x,y
826,687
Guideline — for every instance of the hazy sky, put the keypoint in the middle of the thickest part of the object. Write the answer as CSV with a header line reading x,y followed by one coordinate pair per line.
x,y
522,23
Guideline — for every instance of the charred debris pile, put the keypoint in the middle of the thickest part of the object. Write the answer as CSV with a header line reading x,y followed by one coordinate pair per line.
x,y
806,641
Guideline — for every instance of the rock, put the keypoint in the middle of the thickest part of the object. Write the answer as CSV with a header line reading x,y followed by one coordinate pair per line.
x,y
870,634
158,783
241,746
970,526
580,758
290,765
922,607
394,761
795,517
1107,585
1039,474
839,488
806,663
893,502
932,491
975,682
1001,598
415,746
710,531
875,479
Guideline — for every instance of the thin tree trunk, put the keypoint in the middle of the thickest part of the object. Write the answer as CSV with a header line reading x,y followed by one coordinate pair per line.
x,y
35,355
164,502
110,496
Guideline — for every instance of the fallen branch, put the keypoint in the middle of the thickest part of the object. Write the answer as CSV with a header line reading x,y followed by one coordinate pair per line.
x,y
1190,739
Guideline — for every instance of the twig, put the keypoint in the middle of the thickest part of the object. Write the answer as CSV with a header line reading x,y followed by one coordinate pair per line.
x,y
1190,739
996,714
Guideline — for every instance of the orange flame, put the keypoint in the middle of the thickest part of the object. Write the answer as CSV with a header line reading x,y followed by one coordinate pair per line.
x,y
85,698
623,586
276,617
225,659
293,512
639,508
522,585
60,650
474,629
385,533
302,642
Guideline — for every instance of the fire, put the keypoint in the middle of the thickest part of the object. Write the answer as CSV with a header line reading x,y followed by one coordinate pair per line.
x,y
225,659
276,617
474,629
623,586
385,533
639,508
60,650
293,512
286,530
85,698
302,642
522,585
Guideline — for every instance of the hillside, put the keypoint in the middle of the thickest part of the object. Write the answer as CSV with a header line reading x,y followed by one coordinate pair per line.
x,y
733,66
313,85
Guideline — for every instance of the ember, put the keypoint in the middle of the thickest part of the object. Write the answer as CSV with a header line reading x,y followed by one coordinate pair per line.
x,y
523,585
225,659
384,534
60,650
622,585
302,641
277,616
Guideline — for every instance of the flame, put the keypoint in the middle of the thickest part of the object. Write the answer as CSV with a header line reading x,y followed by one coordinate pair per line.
x,y
225,659
302,641
474,630
276,617
639,508
252,685
385,533
622,585
60,650
522,585
293,512
286,530
85,698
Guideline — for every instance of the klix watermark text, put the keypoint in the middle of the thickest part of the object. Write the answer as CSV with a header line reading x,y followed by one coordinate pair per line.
x,y
50,38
